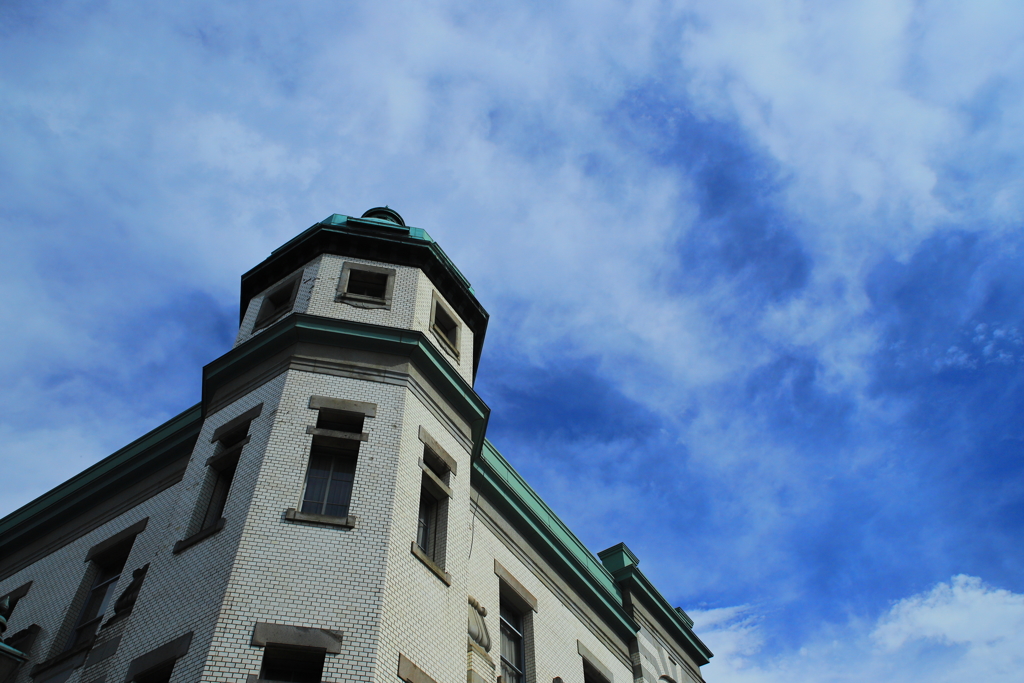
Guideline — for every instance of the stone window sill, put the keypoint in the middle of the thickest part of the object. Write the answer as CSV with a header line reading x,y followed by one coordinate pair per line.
x,y
199,536
445,343
72,659
361,301
425,559
293,515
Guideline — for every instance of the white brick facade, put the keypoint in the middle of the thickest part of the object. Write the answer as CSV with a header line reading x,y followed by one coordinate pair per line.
x,y
361,579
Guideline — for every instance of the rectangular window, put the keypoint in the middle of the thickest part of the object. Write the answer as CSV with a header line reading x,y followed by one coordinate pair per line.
x,y
329,479
276,303
432,521
221,474
365,286
365,283
105,571
332,462
292,664
513,659
444,325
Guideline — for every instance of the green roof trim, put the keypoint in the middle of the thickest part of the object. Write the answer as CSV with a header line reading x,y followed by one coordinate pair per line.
x,y
531,516
677,622
125,465
302,327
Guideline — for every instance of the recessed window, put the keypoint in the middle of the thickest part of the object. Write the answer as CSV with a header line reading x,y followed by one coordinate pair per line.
x,y
445,327
276,304
103,574
329,479
366,286
158,674
432,521
340,421
513,658
365,283
292,664
592,675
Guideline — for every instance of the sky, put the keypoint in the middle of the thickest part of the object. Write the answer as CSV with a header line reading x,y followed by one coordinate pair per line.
x,y
753,270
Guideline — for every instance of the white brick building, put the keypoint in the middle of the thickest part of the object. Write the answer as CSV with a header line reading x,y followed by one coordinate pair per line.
x,y
331,511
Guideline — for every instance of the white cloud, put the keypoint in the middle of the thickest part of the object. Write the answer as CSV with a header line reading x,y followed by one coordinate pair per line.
x,y
963,630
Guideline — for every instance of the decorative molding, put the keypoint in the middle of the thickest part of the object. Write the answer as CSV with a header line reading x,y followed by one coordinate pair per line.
x,y
477,628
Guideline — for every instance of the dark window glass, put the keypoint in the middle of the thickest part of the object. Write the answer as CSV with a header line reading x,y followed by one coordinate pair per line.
x,y
108,570
512,660
365,283
445,325
159,674
592,675
426,524
219,496
276,303
329,481
339,420
295,665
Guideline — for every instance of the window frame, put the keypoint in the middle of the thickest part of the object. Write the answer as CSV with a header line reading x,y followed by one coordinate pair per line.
x,y
505,625
452,348
265,317
362,300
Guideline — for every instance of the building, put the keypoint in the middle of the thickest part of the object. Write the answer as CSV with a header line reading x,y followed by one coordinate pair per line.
x,y
331,510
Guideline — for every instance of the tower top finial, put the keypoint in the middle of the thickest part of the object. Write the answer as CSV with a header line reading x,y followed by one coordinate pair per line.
x,y
383,213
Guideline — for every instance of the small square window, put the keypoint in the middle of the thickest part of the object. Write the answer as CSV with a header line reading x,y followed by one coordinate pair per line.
x,y
292,664
276,304
365,286
365,283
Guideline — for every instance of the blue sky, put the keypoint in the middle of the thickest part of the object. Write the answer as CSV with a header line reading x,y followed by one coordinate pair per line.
x,y
753,271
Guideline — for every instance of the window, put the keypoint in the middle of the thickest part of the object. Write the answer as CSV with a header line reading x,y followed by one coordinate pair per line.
x,y
366,286
208,517
159,674
329,479
591,674
432,522
332,462
106,564
276,304
513,659
365,283
292,664
444,326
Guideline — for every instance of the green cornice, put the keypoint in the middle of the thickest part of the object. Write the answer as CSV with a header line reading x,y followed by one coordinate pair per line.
x,y
531,516
373,240
300,327
672,619
147,454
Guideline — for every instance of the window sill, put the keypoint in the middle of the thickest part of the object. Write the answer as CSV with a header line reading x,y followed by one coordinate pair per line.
x,y
72,659
199,536
425,559
362,301
445,343
293,515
